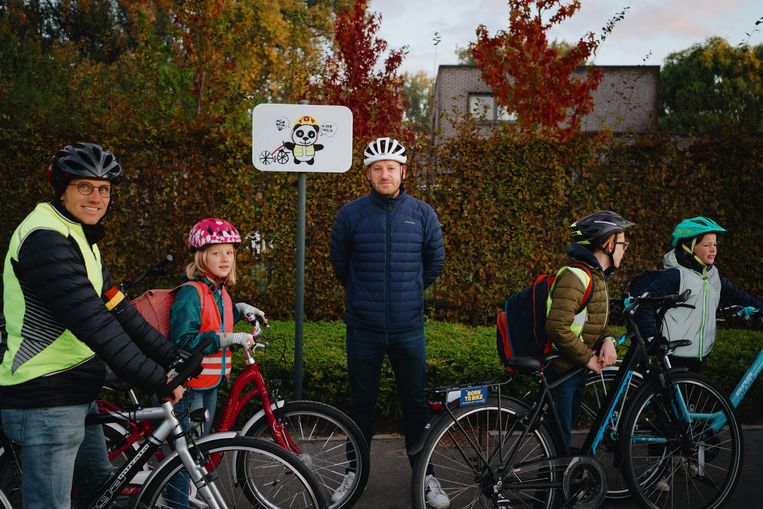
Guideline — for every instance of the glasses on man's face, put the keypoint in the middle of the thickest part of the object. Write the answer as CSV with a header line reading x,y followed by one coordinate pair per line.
x,y
86,188
623,243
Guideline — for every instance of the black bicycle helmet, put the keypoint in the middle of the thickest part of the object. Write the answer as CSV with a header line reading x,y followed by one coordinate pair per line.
x,y
83,160
594,229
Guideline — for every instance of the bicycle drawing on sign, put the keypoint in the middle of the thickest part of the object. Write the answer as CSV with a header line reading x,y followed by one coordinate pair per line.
x,y
303,146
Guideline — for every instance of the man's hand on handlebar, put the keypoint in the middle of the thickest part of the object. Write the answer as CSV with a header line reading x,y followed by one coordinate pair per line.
x,y
176,395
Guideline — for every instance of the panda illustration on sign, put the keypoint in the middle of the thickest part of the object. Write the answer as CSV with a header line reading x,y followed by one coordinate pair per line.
x,y
304,135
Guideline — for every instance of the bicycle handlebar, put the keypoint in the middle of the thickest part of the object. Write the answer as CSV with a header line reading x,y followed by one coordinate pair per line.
x,y
733,311
188,367
665,301
153,271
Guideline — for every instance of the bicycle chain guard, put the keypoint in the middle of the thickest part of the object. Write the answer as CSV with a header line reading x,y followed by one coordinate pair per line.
x,y
584,483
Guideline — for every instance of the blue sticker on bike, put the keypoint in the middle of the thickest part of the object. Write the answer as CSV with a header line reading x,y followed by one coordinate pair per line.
x,y
473,396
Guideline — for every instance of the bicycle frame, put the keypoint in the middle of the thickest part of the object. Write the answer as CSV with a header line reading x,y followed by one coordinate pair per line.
x,y
169,426
237,401
635,360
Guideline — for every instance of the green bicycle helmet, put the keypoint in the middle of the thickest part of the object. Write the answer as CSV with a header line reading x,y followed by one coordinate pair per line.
x,y
694,227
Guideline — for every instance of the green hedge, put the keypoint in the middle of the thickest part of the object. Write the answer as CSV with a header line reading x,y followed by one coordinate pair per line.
x,y
456,354
504,203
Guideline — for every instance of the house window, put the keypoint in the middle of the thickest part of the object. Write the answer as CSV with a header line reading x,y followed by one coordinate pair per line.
x,y
484,107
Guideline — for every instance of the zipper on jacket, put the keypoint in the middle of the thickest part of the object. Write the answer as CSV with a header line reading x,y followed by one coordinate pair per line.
x,y
704,318
387,266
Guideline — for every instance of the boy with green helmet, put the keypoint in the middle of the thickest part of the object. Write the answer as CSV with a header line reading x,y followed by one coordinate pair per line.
x,y
691,265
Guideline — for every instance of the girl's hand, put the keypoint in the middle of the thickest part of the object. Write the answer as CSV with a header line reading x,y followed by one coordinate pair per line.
x,y
250,313
235,338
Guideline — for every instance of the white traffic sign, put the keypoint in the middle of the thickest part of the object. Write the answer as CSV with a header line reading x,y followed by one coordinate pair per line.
x,y
302,137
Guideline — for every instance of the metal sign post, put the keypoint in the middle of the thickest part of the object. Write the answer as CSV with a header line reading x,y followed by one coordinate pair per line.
x,y
305,139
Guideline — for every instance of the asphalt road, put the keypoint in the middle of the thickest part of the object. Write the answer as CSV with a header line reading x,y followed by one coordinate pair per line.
x,y
389,483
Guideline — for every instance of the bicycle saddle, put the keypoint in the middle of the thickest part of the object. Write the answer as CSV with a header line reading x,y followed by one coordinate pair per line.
x,y
527,364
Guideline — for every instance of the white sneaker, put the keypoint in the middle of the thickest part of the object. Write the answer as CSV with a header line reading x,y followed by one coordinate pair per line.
x,y
436,497
344,488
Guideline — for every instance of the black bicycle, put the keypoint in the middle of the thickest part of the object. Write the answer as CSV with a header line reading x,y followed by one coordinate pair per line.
x,y
489,449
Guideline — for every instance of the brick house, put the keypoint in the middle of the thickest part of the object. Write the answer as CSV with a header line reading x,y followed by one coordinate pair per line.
x,y
626,101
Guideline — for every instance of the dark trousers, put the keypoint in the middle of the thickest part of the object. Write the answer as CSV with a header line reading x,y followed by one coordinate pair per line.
x,y
407,355
567,396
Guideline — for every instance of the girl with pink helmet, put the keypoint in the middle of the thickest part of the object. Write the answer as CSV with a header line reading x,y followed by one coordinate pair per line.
x,y
204,309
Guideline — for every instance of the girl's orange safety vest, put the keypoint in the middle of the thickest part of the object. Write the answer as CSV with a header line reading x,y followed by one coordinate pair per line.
x,y
215,365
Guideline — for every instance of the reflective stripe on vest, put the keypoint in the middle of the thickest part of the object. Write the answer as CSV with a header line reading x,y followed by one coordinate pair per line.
x,y
37,343
579,321
216,365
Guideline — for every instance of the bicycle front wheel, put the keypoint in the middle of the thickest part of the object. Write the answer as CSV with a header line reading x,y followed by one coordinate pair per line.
x,y
245,472
684,451
468,453
329,443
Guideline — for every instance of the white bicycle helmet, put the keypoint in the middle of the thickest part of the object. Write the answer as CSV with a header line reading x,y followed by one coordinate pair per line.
x,y
382,149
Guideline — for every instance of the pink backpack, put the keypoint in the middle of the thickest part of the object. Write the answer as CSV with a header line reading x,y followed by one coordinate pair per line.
x,y
155,306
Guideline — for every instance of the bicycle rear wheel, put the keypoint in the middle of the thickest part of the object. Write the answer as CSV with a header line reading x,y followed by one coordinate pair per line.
x,y
468,456
687,464
598,387
246,473
330,444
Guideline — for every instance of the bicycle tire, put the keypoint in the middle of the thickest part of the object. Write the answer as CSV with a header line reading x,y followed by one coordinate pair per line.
x,y
596,391
10,477
329,441
248,473
454,450
699,475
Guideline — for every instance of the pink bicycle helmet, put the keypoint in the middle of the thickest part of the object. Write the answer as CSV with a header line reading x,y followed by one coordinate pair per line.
x,y
212,231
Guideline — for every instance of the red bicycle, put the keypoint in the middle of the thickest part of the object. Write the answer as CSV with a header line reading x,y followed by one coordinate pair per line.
x,y
323,437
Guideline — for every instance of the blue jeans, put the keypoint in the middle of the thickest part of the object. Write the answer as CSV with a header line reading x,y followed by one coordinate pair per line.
x,y
568,396
179,486
407,355
54,442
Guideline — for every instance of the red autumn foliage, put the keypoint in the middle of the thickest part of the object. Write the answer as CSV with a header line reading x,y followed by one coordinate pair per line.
x,y
533,77
354,79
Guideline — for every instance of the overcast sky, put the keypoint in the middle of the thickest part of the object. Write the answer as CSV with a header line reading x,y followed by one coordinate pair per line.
x,y
650,30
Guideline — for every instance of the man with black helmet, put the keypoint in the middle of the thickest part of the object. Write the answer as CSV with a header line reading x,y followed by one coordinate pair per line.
x,y
581,335
65,318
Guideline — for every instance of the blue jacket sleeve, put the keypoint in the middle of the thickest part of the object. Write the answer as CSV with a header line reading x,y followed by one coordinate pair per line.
x,y
185,322
434,250
667,283
339,249
730,294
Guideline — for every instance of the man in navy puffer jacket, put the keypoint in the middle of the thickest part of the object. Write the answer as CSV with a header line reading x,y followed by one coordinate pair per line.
x,y
386,249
